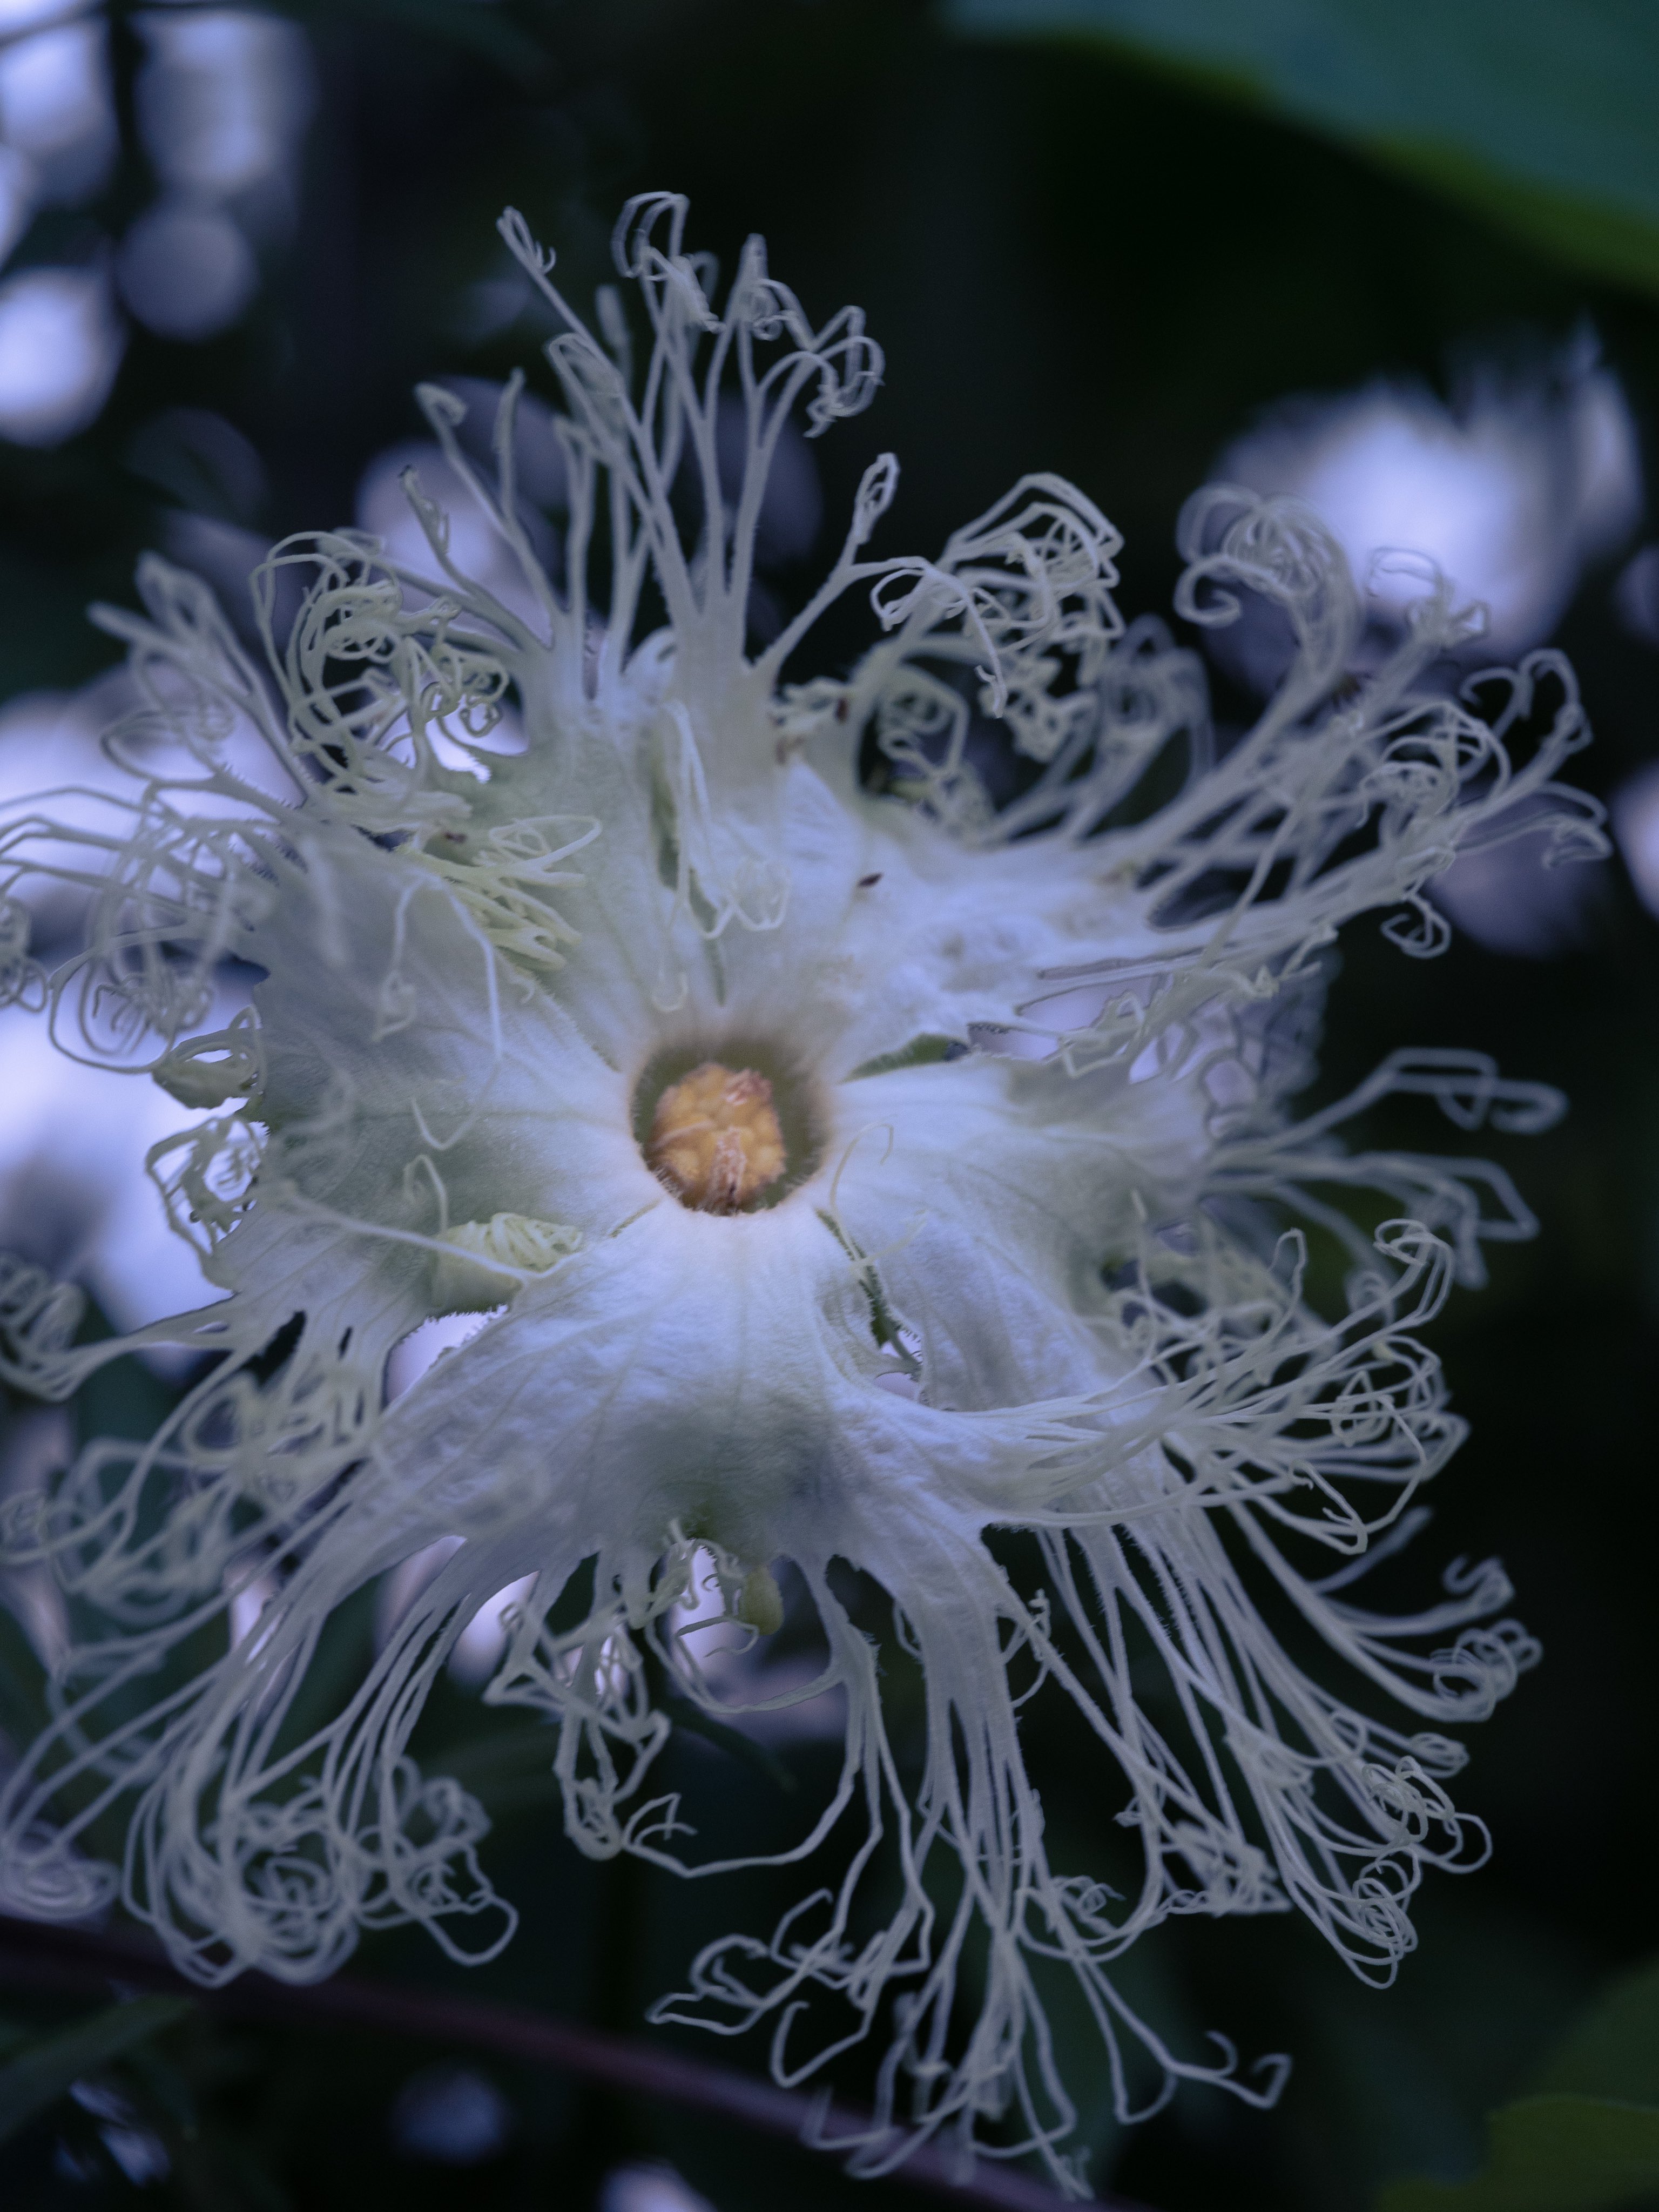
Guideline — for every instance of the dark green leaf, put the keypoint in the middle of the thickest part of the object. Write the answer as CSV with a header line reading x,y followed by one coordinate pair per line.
x,y
488,32
685,1714
1537,115
1551,2155
40,2073
1614,2050
504,1772
22,1708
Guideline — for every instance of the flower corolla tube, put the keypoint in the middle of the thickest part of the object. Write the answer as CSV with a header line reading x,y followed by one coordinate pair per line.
x,y
856,1112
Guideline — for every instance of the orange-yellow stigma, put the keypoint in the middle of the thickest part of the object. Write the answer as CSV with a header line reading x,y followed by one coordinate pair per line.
x,y
715,1138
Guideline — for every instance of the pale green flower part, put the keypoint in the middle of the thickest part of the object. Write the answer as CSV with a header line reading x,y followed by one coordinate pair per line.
x,y
1032,1263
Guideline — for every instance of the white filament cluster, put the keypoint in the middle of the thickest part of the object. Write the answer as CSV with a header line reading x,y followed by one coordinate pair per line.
x,y
1083,1255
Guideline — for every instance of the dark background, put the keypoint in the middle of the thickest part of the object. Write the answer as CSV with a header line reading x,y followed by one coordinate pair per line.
x,y
1077,263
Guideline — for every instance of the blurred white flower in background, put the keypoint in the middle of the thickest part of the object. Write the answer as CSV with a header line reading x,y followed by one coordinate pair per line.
x,y
1521,894
16,201
186,271
60,345
139,2151
1508,491
1635,806
55,108
60,340
222,103
648,2186
223,99
1637,595
75,1194
1635,826
451,2115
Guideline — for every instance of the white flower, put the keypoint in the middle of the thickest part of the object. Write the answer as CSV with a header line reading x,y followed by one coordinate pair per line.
x,y
852,1172
73,1136
1636,825
1511,490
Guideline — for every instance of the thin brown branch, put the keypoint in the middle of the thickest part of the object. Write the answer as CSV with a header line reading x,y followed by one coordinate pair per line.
x,y
35,1955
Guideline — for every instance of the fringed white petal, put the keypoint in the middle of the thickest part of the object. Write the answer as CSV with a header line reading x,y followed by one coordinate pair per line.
x,y
1034,1285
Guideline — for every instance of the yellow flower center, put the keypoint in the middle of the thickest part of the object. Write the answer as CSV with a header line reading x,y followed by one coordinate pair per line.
x,y
715,1140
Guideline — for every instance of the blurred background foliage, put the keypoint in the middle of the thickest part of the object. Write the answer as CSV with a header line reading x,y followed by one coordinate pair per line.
x,y
1100,237
1537,116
